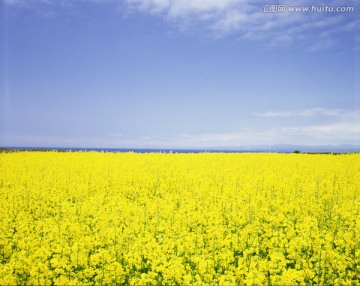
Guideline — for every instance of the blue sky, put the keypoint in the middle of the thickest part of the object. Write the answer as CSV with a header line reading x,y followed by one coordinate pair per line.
x,y
177,74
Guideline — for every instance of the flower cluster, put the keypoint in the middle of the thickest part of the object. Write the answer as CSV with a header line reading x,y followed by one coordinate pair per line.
x,y
209,218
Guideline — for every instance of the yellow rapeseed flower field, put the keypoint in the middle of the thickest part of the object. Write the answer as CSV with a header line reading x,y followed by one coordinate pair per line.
x,y
114,218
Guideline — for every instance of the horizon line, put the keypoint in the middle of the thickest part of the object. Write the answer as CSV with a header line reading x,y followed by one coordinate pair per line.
x,y
282,148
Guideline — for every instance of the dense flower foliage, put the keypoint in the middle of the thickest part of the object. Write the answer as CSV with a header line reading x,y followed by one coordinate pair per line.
x,y
113,218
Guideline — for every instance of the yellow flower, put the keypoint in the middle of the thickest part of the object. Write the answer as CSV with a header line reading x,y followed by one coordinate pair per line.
x,y
126,218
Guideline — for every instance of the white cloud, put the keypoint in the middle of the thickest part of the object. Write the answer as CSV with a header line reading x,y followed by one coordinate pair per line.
x,y
180,8
337,126
310,112
244,17
327,134
325,126
317,31
341,127
338,133
152,6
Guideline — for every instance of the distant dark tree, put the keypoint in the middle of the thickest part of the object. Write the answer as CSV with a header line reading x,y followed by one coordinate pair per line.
x,y
297,152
